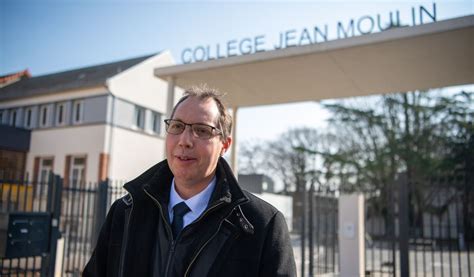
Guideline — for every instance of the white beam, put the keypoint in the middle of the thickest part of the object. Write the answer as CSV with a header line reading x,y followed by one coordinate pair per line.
x,y
234,151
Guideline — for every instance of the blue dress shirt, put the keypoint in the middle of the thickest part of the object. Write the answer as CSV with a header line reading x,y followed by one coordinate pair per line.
x,y
198,203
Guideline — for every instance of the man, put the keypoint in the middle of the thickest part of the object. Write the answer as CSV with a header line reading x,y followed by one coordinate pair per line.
x,y
187,215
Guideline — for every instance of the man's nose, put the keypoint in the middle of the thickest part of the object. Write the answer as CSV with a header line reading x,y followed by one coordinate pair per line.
x,y
186,137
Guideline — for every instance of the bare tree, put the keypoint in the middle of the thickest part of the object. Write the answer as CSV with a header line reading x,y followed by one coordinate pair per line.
x,y
292,158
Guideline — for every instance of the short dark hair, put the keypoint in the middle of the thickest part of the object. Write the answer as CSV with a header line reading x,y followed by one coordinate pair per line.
x,y
203,92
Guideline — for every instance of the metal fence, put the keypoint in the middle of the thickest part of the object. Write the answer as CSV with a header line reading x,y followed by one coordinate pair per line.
x,y
318,232
380,237
412,229
81,210
421,228
25,197
84,207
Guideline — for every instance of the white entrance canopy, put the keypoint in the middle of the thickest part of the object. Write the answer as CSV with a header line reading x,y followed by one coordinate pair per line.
x,y
426,56
404,59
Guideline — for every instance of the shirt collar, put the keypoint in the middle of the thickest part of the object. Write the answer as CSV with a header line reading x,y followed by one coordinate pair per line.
x,y
198,202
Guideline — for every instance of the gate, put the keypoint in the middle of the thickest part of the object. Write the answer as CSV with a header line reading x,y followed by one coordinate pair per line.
x,y
421,228
29,230
318,229
84,209
73,214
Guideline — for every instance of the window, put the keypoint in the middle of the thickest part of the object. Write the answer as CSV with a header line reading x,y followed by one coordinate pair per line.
x,y
60,114
139,117
44,114
2,115
45,168
77,172
156,122
12,165
78,111
28,118
13,116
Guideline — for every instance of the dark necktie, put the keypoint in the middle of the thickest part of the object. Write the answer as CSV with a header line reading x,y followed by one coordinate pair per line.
x,y
179,210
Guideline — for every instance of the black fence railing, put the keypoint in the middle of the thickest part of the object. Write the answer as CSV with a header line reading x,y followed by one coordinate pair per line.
x,y
316,220
84,209
421,228
411,229
81,210
325,243
28,207
380,237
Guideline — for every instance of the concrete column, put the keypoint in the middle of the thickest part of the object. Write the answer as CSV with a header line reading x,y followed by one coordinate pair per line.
x,y
171,95
169,104
58,264
234,153
110,144
351,235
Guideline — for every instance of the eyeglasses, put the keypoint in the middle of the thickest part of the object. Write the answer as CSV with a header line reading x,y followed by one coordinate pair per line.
x,y
199,130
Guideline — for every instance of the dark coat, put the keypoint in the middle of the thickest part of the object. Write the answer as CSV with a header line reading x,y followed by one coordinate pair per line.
x,y
237,235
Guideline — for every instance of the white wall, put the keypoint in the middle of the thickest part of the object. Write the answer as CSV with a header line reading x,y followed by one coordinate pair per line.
x,y
283,203
60,142
139,85
133,153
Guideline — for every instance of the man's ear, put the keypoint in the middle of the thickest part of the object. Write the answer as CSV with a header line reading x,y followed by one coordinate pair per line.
x,y
225,145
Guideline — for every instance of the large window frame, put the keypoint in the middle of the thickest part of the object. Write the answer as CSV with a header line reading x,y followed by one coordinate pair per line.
x,y
77,171
45,168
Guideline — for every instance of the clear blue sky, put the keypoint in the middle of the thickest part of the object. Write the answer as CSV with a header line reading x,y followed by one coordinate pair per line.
x,y
56,35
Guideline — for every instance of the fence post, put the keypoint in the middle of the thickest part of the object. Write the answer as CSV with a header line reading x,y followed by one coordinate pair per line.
x,y
352,235
55,188
59,261
403,225
101,207
303,230
311,231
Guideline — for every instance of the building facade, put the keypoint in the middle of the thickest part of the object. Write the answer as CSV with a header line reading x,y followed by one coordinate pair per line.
x,y
92,123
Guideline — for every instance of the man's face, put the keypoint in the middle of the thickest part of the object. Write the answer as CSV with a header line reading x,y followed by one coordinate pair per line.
x,y
192,160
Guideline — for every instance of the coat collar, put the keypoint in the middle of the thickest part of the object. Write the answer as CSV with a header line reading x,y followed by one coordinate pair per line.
x,y
157,181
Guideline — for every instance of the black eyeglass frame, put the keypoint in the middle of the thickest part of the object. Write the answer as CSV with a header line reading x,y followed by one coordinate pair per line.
x,y
215,131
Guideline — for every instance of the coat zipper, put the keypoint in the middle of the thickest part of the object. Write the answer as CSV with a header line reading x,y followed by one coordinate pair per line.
x,y
207,242
168,230
125,240
173,241
170,256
